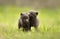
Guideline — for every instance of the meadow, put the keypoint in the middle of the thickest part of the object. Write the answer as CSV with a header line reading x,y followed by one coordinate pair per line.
x,y
49,26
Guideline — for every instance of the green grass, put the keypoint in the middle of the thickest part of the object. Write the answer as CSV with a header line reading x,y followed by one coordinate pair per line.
x,y
49,27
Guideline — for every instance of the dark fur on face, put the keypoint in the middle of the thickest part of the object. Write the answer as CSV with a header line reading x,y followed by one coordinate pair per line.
x,y
24,17
33,14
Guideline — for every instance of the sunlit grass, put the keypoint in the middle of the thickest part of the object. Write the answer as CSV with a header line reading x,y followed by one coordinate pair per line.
x,y
49,26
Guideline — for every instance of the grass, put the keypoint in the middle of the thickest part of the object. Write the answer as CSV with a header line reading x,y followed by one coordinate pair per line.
x,y
49,27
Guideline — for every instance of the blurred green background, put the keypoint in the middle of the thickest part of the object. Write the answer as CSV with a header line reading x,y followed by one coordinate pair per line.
x,y
49,18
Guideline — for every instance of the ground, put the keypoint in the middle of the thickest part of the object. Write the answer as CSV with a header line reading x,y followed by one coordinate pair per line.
x,y
49,27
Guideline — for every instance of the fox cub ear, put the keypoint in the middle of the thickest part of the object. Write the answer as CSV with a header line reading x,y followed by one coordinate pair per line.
x,y
36,13
21,13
